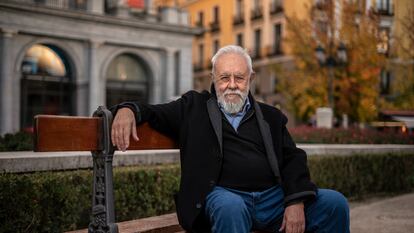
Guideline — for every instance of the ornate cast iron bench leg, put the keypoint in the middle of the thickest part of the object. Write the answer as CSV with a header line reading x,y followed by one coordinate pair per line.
x,y
103,213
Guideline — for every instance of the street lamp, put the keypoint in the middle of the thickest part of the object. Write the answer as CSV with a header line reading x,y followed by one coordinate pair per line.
x,y
331,62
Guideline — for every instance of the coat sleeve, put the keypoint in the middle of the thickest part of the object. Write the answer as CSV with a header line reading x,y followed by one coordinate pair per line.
x,y
165,118
296,181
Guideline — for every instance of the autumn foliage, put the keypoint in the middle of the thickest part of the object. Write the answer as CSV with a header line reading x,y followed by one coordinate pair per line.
x,y
355,83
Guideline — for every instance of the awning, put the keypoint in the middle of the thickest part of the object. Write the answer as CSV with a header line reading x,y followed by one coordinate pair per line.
x,y
409,121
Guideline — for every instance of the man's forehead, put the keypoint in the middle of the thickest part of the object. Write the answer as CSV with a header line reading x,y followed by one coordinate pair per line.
x,y
231,63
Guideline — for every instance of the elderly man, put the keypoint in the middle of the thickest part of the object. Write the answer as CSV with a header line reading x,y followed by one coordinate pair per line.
x,y
240,169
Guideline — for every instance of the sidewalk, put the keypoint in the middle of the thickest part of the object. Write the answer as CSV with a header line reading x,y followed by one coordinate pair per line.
x,y
384,215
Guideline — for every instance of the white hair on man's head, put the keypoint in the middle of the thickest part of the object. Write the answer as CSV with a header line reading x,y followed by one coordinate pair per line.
x,y
232,49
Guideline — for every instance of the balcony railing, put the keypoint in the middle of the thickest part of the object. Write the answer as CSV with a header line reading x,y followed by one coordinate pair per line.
x,y
215,26
276,7
384,11
57,4
257,13
275,50
238,19
197,67
199,24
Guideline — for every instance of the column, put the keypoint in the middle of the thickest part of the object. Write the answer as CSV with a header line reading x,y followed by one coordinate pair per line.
x,y
7,123
95,86
169,84
96,6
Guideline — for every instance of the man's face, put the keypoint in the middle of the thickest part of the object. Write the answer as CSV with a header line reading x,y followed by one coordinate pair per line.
x,y
231,81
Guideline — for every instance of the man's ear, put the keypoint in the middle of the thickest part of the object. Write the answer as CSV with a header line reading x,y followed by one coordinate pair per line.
x,y
252,76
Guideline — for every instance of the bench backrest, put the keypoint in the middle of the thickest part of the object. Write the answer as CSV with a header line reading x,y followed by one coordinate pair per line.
x,y
63,133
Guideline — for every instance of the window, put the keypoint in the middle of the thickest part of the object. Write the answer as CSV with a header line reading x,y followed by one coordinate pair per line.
x,y
200,22
257,44
126,80
277,39
216,14
385,81
384,6
200,54
47,85
216,46
239,39
239,8
384,40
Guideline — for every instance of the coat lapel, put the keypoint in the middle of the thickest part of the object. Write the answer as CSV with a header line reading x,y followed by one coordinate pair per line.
x,y
267,140
216,120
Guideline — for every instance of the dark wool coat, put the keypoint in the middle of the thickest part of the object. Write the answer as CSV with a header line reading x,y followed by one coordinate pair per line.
x,y
194,120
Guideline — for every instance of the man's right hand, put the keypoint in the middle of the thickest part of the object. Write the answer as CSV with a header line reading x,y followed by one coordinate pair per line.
x,y
123,127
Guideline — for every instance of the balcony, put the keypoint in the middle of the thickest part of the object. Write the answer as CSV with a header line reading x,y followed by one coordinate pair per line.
x,y
238,19
199,24
214,26
257,13
197,67
80,5
256,54
273,51
384,11
276,7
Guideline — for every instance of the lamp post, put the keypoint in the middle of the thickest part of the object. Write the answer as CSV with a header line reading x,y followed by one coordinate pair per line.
x,y
331,61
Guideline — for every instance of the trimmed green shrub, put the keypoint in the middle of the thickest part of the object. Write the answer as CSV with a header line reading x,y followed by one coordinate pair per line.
x,y
357,176
60,201
16,142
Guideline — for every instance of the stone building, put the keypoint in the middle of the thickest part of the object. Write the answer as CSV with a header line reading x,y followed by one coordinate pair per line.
x,y
67,57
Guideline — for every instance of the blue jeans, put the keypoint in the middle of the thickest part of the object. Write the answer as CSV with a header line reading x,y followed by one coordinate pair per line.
x,y
230,210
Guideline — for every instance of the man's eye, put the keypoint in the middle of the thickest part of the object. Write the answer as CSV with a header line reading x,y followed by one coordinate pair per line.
x,y
239,78
225,78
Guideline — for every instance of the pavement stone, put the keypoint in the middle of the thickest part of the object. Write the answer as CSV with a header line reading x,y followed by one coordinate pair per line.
x,y
383,215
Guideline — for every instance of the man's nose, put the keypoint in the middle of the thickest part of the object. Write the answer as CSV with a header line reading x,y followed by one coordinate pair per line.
x,y
232,83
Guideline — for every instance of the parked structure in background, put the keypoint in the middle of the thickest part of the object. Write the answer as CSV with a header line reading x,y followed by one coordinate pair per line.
x,y
67,57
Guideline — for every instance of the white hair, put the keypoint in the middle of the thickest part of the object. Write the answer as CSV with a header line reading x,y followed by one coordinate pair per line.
x,y
232,49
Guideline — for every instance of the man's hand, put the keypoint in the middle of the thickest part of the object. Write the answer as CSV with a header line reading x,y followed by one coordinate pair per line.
x,y
123,127
294,219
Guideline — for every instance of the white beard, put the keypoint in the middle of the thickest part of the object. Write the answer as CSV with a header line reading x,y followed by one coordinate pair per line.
x,y
232,107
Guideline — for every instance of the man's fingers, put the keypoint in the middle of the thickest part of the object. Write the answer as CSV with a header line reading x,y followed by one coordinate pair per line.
x,y
134,132
282,228
126,135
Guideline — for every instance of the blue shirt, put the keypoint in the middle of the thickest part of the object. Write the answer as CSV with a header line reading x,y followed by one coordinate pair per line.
x,y
235,119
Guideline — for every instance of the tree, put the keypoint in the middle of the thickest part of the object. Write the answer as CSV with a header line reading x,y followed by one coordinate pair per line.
x,y
355,83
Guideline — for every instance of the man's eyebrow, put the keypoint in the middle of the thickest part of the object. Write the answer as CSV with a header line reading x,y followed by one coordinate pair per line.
x,y
225,73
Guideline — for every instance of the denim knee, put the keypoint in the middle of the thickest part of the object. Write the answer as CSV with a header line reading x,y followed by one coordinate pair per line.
x,y
227,207
334,202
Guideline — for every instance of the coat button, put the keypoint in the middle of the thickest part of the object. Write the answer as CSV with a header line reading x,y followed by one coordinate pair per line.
x,y
198,205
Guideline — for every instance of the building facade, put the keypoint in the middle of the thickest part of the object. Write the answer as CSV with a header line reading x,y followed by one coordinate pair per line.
x,y
68,57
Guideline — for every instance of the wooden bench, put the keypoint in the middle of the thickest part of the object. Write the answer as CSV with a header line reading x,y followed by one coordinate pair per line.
x,y
62,133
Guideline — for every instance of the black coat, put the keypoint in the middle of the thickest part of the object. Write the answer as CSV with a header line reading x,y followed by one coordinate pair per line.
x,y
194,120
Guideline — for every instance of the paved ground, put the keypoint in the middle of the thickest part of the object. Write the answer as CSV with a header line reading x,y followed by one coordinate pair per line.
x,y
383,215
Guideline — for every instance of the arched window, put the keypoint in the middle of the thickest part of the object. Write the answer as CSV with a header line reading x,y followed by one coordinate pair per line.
x,y
126,80
46,84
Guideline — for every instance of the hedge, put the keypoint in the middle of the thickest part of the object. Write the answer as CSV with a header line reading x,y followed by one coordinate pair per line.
x,y
305,134
59,201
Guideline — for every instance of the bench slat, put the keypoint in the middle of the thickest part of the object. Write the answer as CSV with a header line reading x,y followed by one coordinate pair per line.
x,y
68,133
